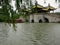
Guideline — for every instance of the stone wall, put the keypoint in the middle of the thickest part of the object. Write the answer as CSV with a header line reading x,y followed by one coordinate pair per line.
x,y
49,17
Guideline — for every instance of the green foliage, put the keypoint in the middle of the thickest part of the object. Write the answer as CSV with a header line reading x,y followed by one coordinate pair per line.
x,y
8,15
58,13
17,5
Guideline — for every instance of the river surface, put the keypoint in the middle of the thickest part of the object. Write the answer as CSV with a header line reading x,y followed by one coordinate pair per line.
x,y
30,34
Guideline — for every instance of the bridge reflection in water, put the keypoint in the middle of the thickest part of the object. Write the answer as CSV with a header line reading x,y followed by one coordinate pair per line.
x,y
30,34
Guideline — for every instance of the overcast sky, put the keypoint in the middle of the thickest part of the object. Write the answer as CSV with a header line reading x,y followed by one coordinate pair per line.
x,y
52,3
41,2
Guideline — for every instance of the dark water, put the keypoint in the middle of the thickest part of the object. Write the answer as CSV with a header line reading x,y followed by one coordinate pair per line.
x,y
30,34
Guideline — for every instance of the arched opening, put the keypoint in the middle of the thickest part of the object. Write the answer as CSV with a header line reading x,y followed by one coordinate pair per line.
x,y
32,21
46,20
40,21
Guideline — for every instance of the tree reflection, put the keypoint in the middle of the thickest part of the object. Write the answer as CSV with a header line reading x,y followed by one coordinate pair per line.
x,y
3,32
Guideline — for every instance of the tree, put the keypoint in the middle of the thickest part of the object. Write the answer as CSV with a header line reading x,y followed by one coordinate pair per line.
x,y
8,13
5,9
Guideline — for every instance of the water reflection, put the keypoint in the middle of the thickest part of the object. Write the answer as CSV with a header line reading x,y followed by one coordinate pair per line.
x,y
32,34
3,33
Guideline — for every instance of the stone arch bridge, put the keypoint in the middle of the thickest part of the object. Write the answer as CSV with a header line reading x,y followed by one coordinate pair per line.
x,y
44,17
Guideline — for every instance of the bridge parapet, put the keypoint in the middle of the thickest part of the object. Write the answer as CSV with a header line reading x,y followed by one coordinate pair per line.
x,y
53,15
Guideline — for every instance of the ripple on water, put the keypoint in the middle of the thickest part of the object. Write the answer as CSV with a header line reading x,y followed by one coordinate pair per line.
x,y
32,34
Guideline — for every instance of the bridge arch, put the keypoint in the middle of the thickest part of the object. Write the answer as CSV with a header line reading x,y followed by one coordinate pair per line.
x,y
40,21
46,19
32,21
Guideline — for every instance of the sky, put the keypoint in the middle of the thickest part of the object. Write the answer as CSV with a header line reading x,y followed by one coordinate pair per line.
x,y
52,3
41,2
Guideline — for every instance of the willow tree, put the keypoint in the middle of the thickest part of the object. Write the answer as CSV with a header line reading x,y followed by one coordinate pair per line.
x,y
18,5
23,6
8,13
5,9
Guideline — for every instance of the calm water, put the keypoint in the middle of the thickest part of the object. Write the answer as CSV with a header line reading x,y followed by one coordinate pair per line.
x,y
30,34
